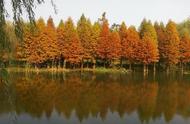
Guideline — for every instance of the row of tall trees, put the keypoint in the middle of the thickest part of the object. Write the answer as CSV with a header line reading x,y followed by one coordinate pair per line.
x,y
88,44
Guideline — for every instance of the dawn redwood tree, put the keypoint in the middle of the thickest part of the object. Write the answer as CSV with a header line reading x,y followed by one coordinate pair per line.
x,y
96,29
51,42
184,49
67,43
123,37
130,44
103,43
60,41
33,44
148,29
170,47
114,52
184,26
73,51
161,34
84,29
40,38
147,51
29,44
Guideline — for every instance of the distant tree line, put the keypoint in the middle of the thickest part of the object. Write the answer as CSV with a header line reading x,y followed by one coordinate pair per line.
x,y
98,44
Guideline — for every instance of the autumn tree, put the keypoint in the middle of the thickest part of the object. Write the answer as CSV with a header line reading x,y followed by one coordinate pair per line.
x,y
184,25
84,29
130,44
29,45
51,46
184,49
148,29
123,36
114,51
72,46
60,40
170,46
22,49
51,42
161,34
103,43
147,51
96,29
40,39
33,45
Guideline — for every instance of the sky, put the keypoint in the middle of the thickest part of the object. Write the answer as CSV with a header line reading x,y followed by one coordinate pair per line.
x,y
131,12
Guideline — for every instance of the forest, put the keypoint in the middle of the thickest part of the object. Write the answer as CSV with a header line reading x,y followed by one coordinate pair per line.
x,y
91,45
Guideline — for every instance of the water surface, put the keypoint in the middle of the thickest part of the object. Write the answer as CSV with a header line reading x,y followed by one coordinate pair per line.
x,y
95,98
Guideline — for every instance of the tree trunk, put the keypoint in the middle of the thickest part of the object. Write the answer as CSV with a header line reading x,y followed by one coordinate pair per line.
x,y
104,63
144,68
48,65
82,64
64,64
87,66
35,67
154,68
130,67
167,69
94,63
182,69
121,62
52,64
59,64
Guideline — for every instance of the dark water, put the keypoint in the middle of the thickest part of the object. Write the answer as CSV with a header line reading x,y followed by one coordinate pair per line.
x,y
88,98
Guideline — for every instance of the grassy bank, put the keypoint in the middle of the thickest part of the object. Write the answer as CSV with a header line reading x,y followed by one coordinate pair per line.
x,y
98,70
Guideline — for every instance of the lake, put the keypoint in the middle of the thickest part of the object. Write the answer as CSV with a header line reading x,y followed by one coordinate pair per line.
x,y
95,98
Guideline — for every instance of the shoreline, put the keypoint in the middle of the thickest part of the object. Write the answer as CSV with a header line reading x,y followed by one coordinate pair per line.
x,y
57,70
63,70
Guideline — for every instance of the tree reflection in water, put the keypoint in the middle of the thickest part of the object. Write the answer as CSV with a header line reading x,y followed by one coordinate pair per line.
x,y
8,93
96,95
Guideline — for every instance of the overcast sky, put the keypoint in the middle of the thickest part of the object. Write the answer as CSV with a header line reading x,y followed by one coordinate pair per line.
x,y
130,11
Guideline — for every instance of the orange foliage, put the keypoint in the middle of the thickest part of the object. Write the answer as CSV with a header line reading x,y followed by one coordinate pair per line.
x,y
103,43
147,51
72,46
114,46
185,48
130,44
